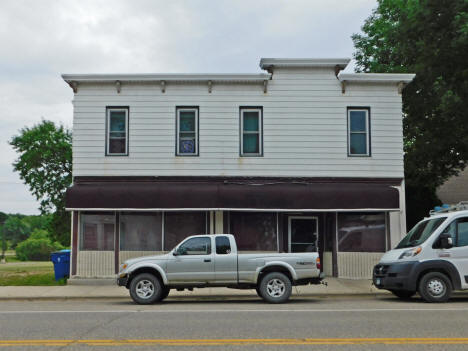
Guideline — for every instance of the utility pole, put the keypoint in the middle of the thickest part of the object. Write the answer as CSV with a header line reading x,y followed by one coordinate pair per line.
x,y
2,232
3,244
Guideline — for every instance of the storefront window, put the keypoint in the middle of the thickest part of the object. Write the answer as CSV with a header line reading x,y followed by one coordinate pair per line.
x,y
254,231
179,225
97,232
141,232
364,232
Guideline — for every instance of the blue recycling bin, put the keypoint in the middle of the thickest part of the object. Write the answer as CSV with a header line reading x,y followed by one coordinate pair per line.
x,y
61,260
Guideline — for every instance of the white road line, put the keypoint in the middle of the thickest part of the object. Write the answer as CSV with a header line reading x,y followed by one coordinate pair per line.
x,y
249,310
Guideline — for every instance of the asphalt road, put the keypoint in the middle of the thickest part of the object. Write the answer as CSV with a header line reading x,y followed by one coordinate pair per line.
x,y
323,323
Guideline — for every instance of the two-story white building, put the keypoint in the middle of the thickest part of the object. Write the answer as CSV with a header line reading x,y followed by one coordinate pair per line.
x,y
301,157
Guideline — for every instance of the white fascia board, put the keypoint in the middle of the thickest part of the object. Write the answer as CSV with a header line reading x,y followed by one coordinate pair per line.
x,y
376,77
179,77
266,63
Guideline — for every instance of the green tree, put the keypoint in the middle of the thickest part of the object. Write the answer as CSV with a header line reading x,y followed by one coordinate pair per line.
x,y
45,164
37,247
429,38
16,230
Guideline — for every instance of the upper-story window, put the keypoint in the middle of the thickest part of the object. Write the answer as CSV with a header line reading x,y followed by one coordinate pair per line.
x,y
117,131
358,132
251,134
187,131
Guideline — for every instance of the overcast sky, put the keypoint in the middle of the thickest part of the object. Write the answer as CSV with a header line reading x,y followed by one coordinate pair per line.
x,y
39,40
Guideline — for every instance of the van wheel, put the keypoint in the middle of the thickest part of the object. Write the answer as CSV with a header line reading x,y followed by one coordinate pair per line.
x,y
146,289
435,287
275,287
403,294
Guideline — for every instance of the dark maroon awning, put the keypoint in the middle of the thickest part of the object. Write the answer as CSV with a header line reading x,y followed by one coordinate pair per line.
x,y
232,194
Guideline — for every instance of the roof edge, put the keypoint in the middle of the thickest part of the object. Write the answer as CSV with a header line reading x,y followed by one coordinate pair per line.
x,y
376,77
154,77
268,63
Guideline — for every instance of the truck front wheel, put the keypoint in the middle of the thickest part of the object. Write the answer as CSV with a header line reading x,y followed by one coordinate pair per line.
x,y
146,289
275,287
435,287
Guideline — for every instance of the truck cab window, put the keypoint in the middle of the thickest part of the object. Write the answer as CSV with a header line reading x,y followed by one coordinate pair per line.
x,y
195,246
223,247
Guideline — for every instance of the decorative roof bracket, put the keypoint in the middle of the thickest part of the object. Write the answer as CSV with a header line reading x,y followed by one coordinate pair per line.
x,y
265,86
74,86
401,86
163,86
337,70
210,86
118,86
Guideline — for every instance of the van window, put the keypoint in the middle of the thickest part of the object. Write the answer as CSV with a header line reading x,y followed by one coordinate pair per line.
x,y
462,237
458,230
223,247
421,232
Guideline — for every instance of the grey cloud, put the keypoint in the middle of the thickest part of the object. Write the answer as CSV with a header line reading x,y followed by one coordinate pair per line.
x,y
42,39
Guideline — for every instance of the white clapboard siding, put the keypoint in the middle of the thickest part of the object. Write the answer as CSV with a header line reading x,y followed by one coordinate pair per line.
x,y
357,265
95,264
304,128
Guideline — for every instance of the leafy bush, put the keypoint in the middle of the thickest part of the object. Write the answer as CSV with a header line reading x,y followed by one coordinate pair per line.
x,y
37,247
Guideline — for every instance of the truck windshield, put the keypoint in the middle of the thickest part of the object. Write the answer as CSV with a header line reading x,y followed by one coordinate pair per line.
x,y
420,232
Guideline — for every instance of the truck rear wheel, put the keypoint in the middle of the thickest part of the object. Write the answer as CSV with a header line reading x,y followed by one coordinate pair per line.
x,y
275,287
435,287
146,289
165,293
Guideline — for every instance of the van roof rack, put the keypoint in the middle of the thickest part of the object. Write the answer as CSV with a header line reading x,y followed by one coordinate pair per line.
x,y
462,205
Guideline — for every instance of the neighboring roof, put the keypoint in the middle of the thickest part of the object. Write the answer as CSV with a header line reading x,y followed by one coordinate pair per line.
x,y
267,63
376,77
174,77
455,189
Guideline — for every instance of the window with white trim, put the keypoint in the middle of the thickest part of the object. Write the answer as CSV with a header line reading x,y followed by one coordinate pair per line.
x,y
251,138
358,132
117,131
187,131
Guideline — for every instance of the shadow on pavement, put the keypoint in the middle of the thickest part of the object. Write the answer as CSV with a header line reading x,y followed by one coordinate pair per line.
x,y
212,300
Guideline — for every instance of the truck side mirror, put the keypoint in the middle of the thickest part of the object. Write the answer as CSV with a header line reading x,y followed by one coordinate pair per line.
x,y
446,241
175,252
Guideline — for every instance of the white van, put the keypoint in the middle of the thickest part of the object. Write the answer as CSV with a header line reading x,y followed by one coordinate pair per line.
x,y
431,259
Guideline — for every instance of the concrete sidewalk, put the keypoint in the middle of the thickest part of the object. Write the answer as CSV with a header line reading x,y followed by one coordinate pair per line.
x,y
108,289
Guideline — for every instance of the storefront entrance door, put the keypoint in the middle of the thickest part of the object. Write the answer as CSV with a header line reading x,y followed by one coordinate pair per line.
x,y
302,234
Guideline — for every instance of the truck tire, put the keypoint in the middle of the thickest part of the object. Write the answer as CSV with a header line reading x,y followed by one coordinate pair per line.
x,y
275,287
146,289
165,293
435,287
403,294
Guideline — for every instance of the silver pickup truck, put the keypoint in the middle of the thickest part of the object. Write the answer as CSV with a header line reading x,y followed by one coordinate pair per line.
x,y
212,261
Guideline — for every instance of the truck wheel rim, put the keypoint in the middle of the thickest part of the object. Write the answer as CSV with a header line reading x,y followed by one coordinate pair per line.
x,y
436,287
275,288
144,289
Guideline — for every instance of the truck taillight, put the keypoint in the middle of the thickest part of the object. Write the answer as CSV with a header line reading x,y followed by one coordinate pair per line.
x,y
317,263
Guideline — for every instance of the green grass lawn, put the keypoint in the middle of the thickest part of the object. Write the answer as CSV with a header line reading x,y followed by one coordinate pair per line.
x,y
15,272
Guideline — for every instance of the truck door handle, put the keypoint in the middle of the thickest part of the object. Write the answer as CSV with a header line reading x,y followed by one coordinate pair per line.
x,y
207,260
